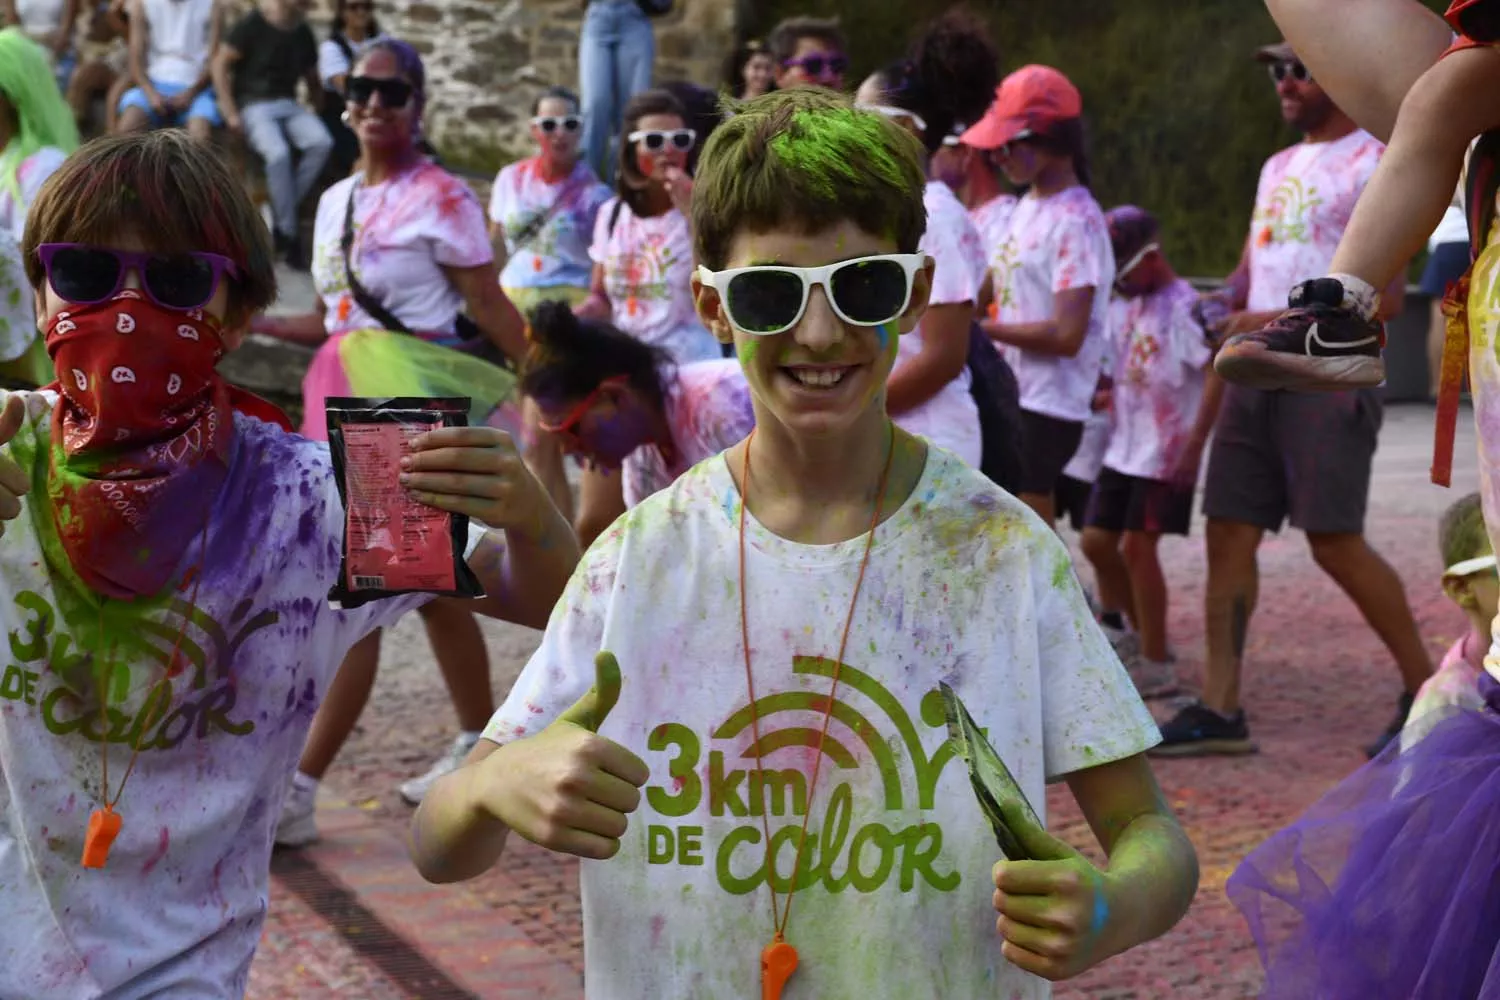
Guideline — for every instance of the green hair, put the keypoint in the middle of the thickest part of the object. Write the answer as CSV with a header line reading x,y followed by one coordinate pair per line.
x,y
805,158
1461,532
43,118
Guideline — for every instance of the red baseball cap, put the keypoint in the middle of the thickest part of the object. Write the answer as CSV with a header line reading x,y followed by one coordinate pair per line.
x,y
1031,100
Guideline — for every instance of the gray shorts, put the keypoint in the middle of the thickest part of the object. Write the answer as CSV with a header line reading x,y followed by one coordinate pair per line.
x,y
1293,456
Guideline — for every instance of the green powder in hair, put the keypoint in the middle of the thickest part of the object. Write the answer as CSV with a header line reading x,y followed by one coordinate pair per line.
x,y
818,142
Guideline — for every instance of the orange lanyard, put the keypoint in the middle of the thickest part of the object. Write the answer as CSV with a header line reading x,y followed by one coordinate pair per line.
x,y
778,960
105,823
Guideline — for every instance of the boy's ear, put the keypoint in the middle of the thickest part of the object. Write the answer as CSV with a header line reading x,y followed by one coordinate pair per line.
x,y
711,310
921,292
1459,593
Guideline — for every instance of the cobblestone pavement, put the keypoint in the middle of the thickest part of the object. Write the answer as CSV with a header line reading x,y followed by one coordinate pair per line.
x,y
1319,686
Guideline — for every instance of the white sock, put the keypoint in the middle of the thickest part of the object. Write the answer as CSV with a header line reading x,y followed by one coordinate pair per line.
x,y
303,783
1359,295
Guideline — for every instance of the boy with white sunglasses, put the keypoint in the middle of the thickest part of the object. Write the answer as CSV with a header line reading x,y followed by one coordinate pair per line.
x,y
766,637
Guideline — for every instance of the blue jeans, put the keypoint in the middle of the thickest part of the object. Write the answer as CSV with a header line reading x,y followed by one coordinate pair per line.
x,y
615,53
268,127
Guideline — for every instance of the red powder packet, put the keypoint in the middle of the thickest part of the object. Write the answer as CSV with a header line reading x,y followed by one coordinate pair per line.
x,y
393,544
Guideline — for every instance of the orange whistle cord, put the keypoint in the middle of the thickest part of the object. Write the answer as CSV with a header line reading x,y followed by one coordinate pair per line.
x,y
779,959
105,823
1455,307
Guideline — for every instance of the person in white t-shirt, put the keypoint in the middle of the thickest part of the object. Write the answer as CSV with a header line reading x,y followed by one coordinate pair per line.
x,y
823,576
1298,458
635,419
974,175
929,389
389,321
1164,403
170,45
1051,274
642,247
168,551
354,29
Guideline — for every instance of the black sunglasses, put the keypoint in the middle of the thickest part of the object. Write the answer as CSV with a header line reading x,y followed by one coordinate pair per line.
x,y
86,275
815,65
394,94
1284,68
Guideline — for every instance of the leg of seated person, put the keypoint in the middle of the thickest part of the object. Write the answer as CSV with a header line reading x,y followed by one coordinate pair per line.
x,y
263,132
309,136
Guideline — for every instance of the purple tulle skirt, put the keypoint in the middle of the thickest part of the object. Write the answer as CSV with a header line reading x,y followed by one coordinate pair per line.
x,y
1389,887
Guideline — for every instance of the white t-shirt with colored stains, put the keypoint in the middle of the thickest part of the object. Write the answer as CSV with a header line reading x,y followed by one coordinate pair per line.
x,y
965,585
708,408
648,271
992,219
950,419
557,251
1302,207
178,909
1053,244
1161,354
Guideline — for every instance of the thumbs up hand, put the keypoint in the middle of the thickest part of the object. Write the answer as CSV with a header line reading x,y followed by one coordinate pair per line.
x,y
1053,911
567,788
14,483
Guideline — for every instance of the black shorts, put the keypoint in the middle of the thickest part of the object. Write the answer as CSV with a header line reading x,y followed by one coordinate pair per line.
x,y
1134,503
1047,445
1302,457
1071,500
1445,265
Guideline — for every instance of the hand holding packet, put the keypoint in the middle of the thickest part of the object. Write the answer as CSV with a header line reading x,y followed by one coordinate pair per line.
x,y
393,543
1000,797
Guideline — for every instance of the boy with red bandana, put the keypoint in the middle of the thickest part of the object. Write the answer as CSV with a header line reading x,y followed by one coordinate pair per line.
x,y
164,579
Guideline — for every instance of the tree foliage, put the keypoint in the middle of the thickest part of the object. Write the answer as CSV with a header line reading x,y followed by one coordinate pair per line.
x,y
1180,116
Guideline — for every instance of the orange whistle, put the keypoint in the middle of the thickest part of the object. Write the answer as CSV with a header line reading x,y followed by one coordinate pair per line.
x,y
777,963
104,827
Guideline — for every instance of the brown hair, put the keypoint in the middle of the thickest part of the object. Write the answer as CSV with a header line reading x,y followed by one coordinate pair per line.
x,y
174,193
806,159
648,102
783,39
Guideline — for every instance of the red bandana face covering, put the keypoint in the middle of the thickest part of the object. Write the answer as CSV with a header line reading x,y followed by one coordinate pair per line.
x,y
140,439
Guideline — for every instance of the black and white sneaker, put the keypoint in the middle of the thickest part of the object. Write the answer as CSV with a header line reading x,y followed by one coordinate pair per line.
x,y
1316,344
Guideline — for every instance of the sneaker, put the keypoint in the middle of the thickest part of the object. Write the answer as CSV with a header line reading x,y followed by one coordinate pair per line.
x,y
1403,709
415,790
1152,680
1198,730
298,826
1316,344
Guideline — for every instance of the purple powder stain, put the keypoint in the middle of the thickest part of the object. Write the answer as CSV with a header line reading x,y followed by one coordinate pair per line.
x,y
658,925
161,851
986,502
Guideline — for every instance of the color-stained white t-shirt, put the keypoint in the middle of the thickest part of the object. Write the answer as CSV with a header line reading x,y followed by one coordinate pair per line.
x,y
1302,207
1161,355
17,304
648,270
557,252
405,230
992,219
1053,244
178,909
950,419
708,408
30,174
1088,457
965,585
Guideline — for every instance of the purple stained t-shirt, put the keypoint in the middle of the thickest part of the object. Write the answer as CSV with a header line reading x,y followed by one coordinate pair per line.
x,y
178,909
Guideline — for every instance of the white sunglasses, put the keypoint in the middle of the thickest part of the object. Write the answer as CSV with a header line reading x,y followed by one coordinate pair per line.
x,y
767,299
890,112
1468,567
681,139
551,123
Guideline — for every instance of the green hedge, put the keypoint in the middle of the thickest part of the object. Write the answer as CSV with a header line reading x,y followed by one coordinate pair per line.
x,y
1180,117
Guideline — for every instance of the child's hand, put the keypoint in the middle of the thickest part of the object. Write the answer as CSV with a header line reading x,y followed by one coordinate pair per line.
x,y
1053,912
567,788
680,187
14,483
476,471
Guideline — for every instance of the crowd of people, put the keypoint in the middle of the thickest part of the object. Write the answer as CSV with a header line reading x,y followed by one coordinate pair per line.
x,y
837,362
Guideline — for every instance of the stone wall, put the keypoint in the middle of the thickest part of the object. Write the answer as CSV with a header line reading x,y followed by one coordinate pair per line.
x,y
487,60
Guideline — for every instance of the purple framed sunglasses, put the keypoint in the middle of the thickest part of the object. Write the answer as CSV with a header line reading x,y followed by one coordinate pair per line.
x,y
87,275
